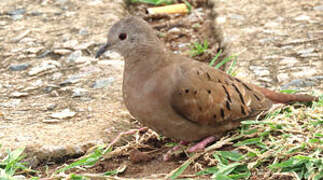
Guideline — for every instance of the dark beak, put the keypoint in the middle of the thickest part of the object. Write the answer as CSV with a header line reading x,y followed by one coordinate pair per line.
x,y
102,50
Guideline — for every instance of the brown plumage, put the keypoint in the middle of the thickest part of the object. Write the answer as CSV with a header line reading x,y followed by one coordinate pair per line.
x,y
177,96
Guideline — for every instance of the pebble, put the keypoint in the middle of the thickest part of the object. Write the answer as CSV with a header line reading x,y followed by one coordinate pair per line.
x,y
19,67
79,92
283,77
56,76
302,18
83,32
21,36
71,80
51,107
33,50
66,113
260,71
101,83
62,51
17,94
3,23
17,13
306,51
174,30
237,17
11,104
288,61
318,8
44,66
74,56
298,83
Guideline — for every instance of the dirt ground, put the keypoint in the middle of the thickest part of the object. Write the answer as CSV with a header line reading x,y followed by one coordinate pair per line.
x,y
58,100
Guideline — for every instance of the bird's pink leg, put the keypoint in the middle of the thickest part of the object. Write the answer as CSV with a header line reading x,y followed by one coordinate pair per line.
x,y
201,145
175,148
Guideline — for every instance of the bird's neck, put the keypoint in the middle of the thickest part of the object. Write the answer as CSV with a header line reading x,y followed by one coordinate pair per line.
x,y
146,59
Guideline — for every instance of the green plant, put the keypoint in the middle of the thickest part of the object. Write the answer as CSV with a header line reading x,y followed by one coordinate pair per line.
x,y
232,69
11,165
199,48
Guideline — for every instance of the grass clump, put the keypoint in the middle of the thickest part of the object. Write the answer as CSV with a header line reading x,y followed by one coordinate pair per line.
x,y
199,48
12,166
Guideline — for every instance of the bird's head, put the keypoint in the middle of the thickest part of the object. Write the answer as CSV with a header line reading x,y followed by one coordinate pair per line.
x,y
128,34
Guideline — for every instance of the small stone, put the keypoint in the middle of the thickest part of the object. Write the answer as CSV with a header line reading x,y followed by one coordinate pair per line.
x,y
74,56
17,94
174,30
221,19
19,11
283,77
66,113
94,2
101,83
3,23
317,78
44,66
272,24
260,71
19,177
71,80
51,107
79,92
306,51
318,8
20,36
298,83
56,76
302,18
50,88
288,61
83,32
33,50
62,51
19,67
54,94
11,104
237,17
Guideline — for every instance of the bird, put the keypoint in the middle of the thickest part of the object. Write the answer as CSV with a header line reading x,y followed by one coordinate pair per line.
x,y
179,97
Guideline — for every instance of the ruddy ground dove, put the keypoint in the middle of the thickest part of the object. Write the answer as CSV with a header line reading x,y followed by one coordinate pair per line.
x,y
178,97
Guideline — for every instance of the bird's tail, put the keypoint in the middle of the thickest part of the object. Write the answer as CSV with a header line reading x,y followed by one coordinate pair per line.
x,y
277,97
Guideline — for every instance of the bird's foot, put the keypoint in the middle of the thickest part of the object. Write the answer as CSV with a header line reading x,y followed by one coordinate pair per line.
x,y
201,145
169,153
197,147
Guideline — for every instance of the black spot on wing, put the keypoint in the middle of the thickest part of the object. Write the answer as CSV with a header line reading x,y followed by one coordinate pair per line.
x,y
240,95
226,92
228,105
222,112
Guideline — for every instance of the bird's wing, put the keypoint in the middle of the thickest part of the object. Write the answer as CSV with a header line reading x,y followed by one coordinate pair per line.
x,y
207,96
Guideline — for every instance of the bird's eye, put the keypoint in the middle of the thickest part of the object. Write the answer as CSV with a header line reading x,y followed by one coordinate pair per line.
x,y
122,36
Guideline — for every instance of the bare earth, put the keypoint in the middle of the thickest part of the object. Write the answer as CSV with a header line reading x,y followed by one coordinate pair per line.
x,y
55,42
